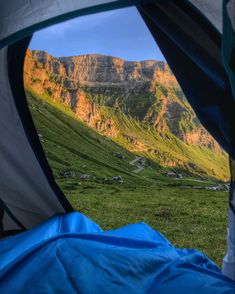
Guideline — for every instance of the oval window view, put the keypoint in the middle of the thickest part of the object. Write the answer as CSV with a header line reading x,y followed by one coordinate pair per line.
x,y
123,142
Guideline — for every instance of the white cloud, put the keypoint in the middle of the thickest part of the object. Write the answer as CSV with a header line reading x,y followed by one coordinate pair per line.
x,y
84,23
58,29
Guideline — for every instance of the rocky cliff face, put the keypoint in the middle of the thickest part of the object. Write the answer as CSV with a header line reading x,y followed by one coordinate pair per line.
x,y
146,91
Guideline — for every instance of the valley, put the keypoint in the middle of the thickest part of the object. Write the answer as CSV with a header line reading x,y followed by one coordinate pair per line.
x,y
138,105
118,166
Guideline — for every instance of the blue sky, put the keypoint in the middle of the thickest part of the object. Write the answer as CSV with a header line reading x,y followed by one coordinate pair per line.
x,y
121,33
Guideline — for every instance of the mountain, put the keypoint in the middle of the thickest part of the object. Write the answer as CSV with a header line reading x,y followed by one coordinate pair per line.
x,y
139,105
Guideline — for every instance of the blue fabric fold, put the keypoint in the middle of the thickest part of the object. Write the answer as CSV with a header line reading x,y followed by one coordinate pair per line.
x,y
71,254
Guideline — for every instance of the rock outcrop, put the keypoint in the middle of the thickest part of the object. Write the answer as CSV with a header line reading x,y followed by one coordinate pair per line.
x,y
146,91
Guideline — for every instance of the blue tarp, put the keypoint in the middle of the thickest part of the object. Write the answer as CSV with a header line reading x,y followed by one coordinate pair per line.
x,y
71,254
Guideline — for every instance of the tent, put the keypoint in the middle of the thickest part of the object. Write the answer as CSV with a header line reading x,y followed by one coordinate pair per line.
x,y
202,36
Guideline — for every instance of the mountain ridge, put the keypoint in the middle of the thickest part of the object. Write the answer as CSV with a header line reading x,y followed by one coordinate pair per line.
x,y
120,99
165,106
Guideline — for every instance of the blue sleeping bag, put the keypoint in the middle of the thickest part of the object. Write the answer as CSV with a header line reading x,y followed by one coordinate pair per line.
x,y
71,254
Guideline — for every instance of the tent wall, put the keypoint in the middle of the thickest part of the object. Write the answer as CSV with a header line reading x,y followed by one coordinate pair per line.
x,y
26,195
212,10
28,13
30,16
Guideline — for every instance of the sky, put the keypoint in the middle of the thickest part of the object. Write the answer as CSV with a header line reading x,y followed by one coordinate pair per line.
x,y
120,33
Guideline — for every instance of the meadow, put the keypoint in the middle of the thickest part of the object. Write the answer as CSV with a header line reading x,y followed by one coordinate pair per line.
x,y
103,185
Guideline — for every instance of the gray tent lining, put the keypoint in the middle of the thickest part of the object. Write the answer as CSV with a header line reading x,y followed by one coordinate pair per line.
x,y
86,10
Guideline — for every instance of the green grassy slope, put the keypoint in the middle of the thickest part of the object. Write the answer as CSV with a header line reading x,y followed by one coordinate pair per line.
x,y
189,217
195,160
162,149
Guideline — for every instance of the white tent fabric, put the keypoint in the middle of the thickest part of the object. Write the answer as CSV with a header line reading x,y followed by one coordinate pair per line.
x,y
212,10
23,186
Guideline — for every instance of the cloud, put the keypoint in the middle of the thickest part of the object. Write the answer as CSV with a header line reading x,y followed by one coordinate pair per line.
x,y
82,23
58,29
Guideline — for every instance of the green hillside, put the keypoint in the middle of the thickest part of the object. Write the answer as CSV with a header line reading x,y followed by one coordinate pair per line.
x,y
138,105
107,181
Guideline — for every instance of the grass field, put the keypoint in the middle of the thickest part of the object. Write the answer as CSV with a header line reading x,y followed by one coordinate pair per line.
x,y
188,218
187,214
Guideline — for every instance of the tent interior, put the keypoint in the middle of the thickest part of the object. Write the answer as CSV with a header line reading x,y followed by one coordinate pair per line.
x,y
34,210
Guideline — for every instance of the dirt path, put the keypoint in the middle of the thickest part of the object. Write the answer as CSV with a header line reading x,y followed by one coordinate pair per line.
x,y
139,169
133,162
